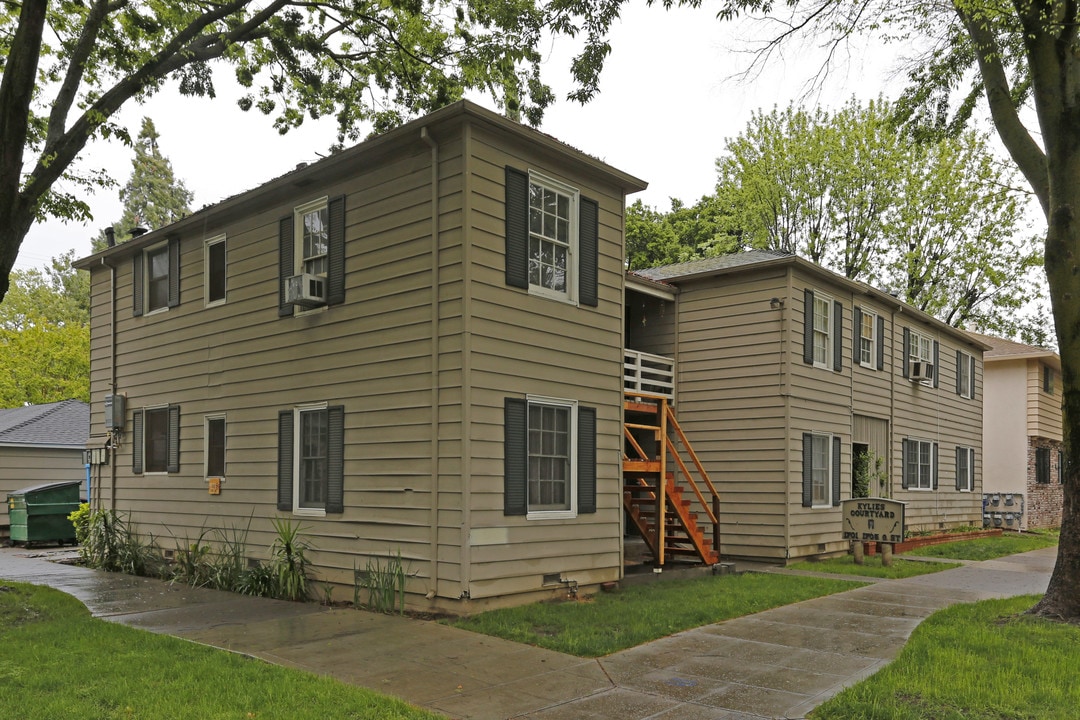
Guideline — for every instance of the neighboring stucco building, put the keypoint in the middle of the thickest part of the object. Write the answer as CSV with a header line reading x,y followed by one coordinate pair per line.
x,y
788,375
412,346
42,444
1022,435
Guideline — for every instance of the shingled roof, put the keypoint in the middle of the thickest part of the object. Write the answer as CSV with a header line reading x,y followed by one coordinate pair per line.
x,y
55,424
1002,349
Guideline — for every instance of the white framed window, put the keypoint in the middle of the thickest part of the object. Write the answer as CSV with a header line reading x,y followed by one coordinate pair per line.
x,y
920,465
312,233
551,437
214,270
553,238
823,329
921,348
157,278
214,446
311,456
867,338
965,469
820,470
964,381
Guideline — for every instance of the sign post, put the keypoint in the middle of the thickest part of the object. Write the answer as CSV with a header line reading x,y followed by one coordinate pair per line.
x,y
879,520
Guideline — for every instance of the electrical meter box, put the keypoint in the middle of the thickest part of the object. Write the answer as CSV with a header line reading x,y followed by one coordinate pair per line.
x,y
115,408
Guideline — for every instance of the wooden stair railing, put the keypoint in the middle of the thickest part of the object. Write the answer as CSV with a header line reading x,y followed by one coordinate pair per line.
x,y
658,509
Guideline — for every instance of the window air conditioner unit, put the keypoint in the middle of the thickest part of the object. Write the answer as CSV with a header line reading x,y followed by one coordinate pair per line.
x,y
305,290
921,371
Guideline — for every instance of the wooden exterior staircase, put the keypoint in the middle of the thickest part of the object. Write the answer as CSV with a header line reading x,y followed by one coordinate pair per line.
x,y
666,513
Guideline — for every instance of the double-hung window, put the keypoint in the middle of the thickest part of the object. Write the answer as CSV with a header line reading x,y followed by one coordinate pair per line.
x,y
215,446
867,338
311,241
822,331
1042,465
214,270
311,460
313,235
920,465
156,278
552,238
156,440
821,470
921,357
822,326
965,469
550,458
965,375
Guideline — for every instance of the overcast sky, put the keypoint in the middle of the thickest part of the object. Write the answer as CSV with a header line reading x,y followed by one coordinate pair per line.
x,y
668,101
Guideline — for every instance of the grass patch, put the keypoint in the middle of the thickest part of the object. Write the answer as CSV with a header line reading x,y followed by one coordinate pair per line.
x,y
983,661
873,567
58,662
1008,543
613,621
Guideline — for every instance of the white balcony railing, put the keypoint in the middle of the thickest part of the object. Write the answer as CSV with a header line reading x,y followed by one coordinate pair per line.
x,y
647,373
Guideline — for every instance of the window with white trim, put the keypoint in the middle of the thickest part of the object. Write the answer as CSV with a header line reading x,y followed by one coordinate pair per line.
x,y
214,270
214,451
919,465
965,469
821,468
311,455
964,381
312,235
155,439
823,330
867,338
157,278
921,348
553,232
551,453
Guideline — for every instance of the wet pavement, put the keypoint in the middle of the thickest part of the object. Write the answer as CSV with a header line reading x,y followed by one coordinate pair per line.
x,y
779,663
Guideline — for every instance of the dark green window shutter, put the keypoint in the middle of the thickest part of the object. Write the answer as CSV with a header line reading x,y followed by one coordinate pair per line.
x,y
285,461
137,283
937,363
907,354
517,228
335,253
971,469
906,460
808,327
335,460
856,335
588,252
971,377
586,460
137,442
959,377
808,469
286,263
174,271
1061,466
838,336
172,463
835,471
880,342
934,467
515,457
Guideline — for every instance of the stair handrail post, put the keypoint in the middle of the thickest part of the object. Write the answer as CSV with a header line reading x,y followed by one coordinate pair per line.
x,y
661,486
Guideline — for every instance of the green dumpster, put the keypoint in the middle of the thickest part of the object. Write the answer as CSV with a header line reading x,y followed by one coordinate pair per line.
x,y
39,514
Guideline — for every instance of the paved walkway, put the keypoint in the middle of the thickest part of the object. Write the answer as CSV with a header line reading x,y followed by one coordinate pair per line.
x,y
776,664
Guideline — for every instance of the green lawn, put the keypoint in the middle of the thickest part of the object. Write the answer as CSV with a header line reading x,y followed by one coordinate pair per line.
x,y
982,661
873,567
630,616
1008,543
58,662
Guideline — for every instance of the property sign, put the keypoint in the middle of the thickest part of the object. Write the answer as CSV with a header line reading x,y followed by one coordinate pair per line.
x,y
873,520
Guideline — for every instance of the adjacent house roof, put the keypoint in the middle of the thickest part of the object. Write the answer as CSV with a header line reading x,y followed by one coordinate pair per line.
x,y
64,423
1002,349
721,265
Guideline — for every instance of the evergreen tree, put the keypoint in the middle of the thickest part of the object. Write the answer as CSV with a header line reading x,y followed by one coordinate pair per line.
x,y
153,197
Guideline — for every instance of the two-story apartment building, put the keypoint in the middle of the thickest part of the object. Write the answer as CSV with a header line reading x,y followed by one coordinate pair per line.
x,y
795,385
412,346
1025,457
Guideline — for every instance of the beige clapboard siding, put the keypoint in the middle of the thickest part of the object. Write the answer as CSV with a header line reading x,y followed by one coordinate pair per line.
x,y
1043,408
579,357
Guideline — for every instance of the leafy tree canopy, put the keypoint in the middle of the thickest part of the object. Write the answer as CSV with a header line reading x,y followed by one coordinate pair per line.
x,y
69,66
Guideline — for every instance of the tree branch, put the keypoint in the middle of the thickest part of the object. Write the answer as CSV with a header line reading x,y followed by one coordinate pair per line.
x,y
65,96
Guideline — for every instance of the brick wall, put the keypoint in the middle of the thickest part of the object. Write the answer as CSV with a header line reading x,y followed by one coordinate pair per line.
x,y
1043,502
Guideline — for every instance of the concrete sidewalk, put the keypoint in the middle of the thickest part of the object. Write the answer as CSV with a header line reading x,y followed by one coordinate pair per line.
x,y
776,664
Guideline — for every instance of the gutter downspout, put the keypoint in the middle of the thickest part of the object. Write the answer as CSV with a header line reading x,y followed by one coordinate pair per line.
x,y
785,392
112,441
466,415
433,589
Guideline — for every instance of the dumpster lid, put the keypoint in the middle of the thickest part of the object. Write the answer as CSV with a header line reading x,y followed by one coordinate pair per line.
x,y
46,486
